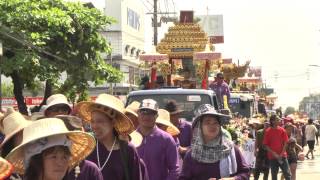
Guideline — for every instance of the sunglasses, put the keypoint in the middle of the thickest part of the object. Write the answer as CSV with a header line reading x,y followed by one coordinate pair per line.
x,y
59,108
147,112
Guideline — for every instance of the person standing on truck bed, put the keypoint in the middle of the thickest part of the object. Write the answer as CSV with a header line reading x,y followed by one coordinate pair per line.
x,y
221,88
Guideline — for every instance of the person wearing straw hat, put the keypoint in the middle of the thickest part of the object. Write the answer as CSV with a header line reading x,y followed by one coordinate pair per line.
x,y
86,170
48,150
58,107
11,125
212,155
57,104
5,168
183,126
115,158
136,139
158,149
163,122
132,112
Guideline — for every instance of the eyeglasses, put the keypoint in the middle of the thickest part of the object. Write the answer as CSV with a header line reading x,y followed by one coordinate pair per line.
x,y
59,108
147,112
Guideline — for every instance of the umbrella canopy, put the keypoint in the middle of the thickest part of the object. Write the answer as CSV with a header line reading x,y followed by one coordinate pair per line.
x,y
155,57
207,55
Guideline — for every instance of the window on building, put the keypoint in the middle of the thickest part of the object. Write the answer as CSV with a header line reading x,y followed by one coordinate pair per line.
x,y
132,51
133,19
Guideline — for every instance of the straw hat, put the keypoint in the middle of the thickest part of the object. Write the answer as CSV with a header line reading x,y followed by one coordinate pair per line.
x,y
56,99
37,115
5,168
111,106
72,122
12,123
133,108
254,121
164,119
136,138
81,146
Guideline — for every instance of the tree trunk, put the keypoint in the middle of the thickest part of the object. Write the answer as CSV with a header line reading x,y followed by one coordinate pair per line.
x,y
47,93
18,92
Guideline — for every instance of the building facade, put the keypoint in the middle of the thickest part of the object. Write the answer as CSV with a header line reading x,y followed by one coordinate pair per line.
x,y
126,38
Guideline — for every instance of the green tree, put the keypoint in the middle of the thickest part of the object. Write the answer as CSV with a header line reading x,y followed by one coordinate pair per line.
x,y
7,90
289,110
43,38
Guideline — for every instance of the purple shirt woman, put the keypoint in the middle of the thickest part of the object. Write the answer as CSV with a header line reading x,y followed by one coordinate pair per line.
x,y
115,158
212,155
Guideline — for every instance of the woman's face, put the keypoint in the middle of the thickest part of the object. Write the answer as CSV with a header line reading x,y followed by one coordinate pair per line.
x,y
101,125
55,164
210,127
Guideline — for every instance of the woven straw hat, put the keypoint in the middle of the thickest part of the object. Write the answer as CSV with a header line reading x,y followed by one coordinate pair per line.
x,y
56,99
164,119
5,168
133,108
82,143
111,106
12,123
136,138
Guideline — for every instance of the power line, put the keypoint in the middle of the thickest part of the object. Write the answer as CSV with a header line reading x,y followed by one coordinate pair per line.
x,y
174,7
150,3
149,10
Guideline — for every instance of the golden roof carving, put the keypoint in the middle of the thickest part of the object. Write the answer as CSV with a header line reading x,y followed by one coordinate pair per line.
x,y
182,40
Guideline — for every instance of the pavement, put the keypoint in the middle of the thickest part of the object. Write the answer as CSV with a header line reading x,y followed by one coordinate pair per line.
x,y
309,169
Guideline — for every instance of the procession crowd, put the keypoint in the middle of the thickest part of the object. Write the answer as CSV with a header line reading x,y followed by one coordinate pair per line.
x,y
102,139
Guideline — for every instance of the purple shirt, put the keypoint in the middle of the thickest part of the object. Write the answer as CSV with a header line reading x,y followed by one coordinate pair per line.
x,y
194,170
185,135
88,171
220,90
159,152
114,169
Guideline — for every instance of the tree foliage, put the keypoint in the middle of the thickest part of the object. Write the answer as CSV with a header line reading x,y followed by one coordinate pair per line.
x,y
43,38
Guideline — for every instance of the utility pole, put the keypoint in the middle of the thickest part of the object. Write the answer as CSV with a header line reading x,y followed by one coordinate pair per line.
x,y
155,22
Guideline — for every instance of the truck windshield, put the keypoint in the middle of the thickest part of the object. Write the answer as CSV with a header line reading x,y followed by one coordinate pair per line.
x,y
186,102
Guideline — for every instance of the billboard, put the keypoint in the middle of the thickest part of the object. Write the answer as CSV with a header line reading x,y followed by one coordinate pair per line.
x,y
213,26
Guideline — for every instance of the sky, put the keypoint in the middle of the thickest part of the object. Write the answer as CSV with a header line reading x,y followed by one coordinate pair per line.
x,y
283,37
